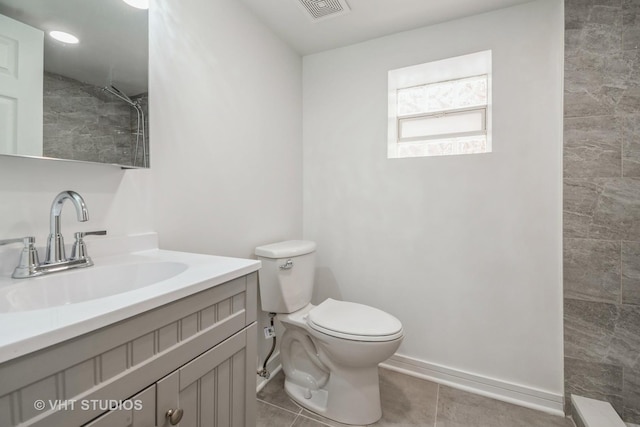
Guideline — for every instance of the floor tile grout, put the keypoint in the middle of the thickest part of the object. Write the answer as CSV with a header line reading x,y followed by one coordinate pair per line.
x,y
301,417
280,407
435,418
313,419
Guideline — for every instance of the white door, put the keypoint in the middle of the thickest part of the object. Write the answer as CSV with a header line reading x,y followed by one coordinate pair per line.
x,y
21,68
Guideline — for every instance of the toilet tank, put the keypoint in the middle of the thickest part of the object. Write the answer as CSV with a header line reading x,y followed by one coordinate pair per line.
x,y
286,276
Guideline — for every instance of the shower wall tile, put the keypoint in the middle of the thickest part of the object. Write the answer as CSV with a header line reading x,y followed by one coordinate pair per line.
x,y
631,63
592,270
602,332
600,381
594,63
589,329
602,208
617,213
602,202
626,338
577,15
83,147
631,145
580,201
580,102
603,32
629,102
82,123
630,37
631,12
631,273
609,15
592,147
631,394
57,148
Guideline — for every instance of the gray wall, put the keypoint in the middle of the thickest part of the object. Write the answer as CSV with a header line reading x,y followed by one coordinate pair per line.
x,y
81,122
602,202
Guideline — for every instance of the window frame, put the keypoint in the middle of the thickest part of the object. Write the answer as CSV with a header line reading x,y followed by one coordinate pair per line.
x,y
456,68
443,113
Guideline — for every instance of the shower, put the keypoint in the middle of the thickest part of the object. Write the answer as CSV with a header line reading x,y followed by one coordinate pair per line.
x,y
141,141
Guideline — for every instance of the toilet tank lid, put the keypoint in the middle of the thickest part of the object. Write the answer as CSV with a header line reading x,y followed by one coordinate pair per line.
x,y
287,249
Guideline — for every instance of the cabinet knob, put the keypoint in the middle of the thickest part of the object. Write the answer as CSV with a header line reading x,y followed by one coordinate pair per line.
x,y
174,415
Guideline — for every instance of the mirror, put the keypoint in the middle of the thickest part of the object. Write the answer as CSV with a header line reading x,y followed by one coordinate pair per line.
x,y
88,101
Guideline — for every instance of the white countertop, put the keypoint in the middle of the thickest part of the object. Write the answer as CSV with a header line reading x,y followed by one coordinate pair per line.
x,y
23,332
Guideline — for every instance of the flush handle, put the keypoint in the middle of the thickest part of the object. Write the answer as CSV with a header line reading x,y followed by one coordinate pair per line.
x,y
174,416
287,265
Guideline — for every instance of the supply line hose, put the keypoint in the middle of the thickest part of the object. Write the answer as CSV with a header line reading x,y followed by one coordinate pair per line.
x,y
264,372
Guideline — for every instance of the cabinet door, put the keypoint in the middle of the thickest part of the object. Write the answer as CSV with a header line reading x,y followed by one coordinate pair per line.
x,y
215,389
139,411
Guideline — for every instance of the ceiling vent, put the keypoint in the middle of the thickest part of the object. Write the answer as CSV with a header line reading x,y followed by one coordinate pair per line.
x,y
324,9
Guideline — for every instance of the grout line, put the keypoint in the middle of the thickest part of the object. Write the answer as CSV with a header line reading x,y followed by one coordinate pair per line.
x,y
294,421
435,420
279,407
300,413
621,272
314,419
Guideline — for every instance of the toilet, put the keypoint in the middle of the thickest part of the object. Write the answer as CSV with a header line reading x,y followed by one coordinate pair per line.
x,y
329,352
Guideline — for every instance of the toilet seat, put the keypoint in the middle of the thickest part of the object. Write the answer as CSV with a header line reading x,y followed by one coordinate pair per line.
x,y
356,322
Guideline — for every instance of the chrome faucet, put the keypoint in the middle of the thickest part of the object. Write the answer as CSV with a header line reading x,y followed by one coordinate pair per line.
x,y
55,243
56,259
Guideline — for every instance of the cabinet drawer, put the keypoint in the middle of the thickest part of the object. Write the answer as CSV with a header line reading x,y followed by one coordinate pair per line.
x,y
139,411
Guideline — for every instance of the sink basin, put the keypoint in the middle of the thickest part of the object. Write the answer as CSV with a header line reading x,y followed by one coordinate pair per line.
x,y
84,284
131,276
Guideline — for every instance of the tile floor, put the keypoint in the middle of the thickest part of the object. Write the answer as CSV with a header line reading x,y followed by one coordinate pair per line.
x,y
409,402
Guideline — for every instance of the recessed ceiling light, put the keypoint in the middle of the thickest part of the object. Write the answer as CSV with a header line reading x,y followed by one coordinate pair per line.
x,y
139,4
64,37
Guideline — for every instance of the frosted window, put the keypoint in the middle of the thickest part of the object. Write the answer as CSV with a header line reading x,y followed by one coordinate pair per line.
x,y
441,108
444,147
449,95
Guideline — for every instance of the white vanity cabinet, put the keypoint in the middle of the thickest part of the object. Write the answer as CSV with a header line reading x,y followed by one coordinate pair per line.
x,y
196,354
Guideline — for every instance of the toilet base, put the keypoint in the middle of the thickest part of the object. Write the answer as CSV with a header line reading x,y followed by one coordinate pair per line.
x,y
356,396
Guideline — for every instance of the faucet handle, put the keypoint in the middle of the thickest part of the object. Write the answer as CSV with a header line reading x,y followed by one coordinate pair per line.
x,y
29,262
81,234
79,250
26,240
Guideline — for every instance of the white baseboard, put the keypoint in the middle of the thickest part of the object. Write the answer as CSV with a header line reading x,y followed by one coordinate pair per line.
x,y
273,366
496,389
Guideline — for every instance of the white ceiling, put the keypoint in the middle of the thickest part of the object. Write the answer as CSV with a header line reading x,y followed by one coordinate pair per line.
x,y
113,46
368,19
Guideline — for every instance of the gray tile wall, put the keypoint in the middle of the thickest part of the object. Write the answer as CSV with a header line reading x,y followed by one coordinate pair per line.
x,y
81,122
602,202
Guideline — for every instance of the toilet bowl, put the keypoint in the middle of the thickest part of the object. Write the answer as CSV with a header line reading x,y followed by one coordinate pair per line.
x,y
330,352
347,389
